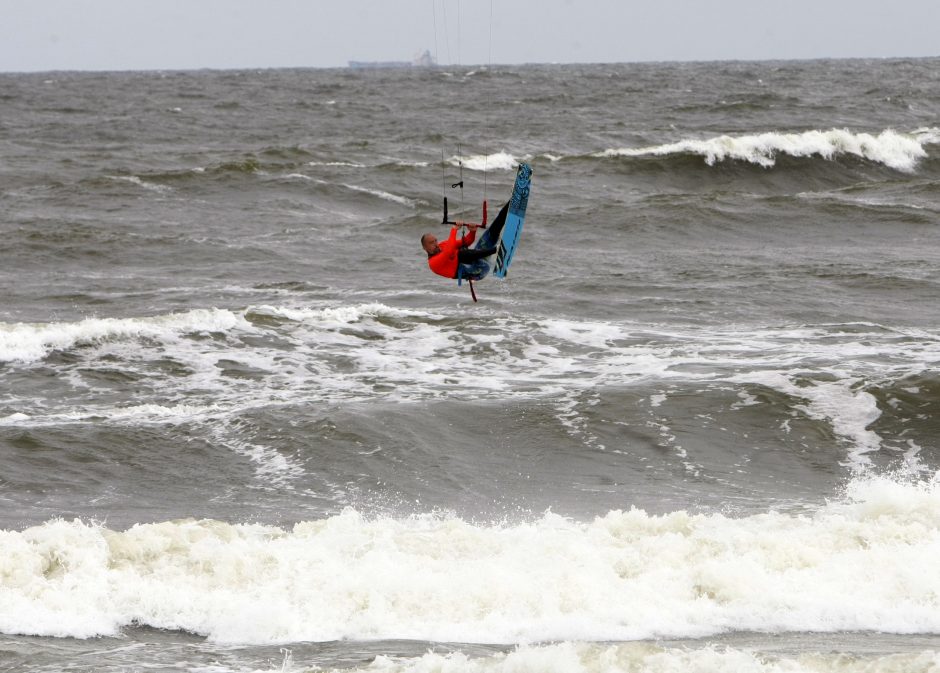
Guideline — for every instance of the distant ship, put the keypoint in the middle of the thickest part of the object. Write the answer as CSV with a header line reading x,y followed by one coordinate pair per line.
x,y
422,60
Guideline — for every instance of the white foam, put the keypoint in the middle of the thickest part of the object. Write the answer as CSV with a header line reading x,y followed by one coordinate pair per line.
x,y
899,151
864,563
487,162
841,403
594,334
348,164
342,315
21,342
273,469
405,163
747,400
928,135
569,657
349,352
383,195
152,413
133,179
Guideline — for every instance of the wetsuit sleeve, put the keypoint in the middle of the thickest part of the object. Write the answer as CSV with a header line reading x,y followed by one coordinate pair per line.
x,y
469,238
444,263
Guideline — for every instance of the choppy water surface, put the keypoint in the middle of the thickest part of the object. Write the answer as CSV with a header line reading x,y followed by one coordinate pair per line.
x,y
244,428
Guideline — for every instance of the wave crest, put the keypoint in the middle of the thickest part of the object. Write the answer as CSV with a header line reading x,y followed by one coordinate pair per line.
x,y
502,161
31,342
899,151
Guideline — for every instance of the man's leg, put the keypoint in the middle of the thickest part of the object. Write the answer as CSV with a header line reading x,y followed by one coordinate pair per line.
x,y
490,239
497,226
470,255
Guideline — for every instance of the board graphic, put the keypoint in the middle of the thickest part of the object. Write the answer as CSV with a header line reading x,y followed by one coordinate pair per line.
x,y
508,237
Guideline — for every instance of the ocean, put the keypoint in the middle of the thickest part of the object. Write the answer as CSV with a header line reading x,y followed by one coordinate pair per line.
x,y
244,428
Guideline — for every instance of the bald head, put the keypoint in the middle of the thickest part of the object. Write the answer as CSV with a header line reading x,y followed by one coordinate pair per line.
x,y
429,243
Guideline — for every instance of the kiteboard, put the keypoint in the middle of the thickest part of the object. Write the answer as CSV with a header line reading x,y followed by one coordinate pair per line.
x,y
514,220
507,239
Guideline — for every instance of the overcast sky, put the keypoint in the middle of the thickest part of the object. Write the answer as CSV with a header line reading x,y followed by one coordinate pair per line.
x,y
184,34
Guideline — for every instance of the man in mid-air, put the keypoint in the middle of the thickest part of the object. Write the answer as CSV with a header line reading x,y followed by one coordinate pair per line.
x,y
445,257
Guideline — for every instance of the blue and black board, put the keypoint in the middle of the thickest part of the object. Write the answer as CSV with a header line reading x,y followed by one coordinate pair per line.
x,y
514,219
508,237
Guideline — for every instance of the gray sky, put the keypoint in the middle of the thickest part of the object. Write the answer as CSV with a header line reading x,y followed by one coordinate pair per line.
x,y
172,34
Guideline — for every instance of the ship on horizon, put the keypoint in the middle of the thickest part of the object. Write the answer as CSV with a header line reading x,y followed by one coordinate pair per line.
x,y
421,60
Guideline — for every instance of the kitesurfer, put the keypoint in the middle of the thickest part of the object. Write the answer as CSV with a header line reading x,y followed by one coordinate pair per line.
x,y
444,257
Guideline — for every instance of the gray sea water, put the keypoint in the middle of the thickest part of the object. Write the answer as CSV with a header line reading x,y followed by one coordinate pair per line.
x,y
244,428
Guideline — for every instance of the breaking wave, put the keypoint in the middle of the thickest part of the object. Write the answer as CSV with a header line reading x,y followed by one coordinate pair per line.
x,y
863,563
31,342
854,378
899,151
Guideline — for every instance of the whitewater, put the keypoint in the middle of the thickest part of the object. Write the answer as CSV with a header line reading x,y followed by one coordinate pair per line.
x,y
244,429
624,576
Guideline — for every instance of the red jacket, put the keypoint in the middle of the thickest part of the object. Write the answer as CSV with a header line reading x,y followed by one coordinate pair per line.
x,y
444,263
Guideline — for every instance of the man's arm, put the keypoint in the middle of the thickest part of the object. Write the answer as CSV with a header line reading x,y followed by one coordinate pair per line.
x,y
470,235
